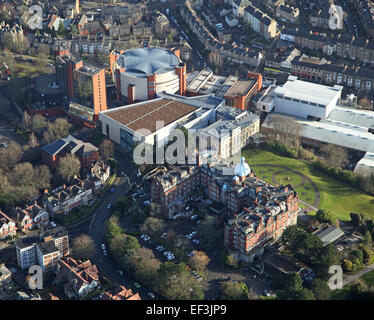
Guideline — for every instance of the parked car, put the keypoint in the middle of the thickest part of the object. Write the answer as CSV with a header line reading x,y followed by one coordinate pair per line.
x,y
103,246
151,295
266,293
112,190
109,206
53,224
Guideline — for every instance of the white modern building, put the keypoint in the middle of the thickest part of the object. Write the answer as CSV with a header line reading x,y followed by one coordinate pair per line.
x,y
153,121
301,99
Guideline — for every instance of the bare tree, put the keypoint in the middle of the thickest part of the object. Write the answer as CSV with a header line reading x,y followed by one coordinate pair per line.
x,y
106,149
334,155
199,260
68,166
43,176
83,247
26,120
33,141
61,128
38,124
152,225
10,156
285,130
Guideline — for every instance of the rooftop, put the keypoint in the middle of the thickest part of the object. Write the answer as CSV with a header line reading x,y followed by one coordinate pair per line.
x,y
329,235
145,115
308,91
240,88
146,61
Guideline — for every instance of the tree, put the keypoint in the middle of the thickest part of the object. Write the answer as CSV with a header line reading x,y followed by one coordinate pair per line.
x,y
33,140
83,247
23,174
320,289
305,294
355,219
38,124
152,225
294,283
175,282
61,128
106,149
144,264
68,166
335,156
323,215
26,120
285,130
234,290
43,176
368,238
41,60
199,260
113,229
348,265
10,156
232,260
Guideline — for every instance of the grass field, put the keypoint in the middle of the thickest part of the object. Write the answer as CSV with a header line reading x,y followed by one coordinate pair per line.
x,y
336,196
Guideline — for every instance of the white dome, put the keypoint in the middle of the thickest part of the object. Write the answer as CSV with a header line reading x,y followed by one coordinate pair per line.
x,y
242,169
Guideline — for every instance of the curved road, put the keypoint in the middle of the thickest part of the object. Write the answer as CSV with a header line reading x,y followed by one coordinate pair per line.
x,y
95,223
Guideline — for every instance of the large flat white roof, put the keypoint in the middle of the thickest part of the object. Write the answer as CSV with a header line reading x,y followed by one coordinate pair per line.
x,y
356,117
308,91
334,133
365,166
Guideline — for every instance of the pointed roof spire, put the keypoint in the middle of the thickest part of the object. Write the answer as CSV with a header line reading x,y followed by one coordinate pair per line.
x,y
242,169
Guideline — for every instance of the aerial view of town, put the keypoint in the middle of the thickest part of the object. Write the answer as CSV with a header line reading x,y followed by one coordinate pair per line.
x,y
187,150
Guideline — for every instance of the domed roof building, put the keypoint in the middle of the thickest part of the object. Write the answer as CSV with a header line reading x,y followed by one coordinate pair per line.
x,y
140,73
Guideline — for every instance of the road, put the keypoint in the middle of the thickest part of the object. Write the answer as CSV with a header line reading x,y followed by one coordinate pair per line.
x,y
94,225
349,278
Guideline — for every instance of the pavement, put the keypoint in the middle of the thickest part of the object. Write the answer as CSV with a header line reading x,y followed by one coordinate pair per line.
x,y
349,278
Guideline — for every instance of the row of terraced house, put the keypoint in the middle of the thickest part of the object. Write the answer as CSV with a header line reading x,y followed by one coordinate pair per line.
x,y
219,51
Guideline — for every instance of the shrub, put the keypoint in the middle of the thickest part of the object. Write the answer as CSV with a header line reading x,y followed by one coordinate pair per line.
x,y
348,265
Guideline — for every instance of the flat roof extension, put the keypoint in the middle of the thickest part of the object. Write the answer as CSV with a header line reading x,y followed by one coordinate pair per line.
x,y
145,115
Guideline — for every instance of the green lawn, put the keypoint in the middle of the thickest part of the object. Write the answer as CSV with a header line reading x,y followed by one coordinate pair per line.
x,y
340,198
369,278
